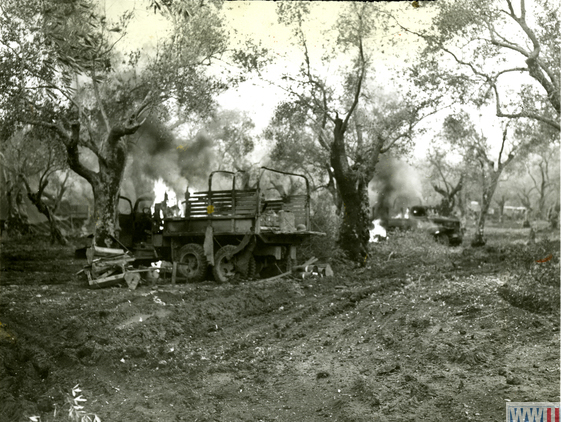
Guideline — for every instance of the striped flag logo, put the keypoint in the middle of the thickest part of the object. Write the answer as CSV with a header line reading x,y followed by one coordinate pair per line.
x,y
532,412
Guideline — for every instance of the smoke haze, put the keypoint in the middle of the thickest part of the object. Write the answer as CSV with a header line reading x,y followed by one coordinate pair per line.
x,y
395,185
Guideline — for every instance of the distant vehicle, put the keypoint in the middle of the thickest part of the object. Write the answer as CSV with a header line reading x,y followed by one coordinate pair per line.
x,y
238,230
446,230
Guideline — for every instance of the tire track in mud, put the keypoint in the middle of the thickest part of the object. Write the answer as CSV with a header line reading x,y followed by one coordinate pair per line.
x,y
346,348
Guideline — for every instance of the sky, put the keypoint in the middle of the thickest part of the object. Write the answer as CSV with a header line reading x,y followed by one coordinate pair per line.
x,y
258,20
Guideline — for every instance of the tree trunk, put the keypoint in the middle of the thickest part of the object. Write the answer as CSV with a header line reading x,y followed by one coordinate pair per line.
x,y
353,190
36,199
106,202
486,199
541,199
448,201
56,234
332,188
17,222
354,235
105,183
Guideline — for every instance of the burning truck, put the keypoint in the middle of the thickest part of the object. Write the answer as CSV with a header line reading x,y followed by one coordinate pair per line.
x,y
238,227
445,230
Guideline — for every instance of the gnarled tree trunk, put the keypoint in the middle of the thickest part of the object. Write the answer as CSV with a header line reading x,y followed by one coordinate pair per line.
x,y
353,190
106,183
106,190
486,198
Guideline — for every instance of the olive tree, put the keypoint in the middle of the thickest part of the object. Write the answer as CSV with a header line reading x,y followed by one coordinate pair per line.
x,y
504,53
60,70
349,122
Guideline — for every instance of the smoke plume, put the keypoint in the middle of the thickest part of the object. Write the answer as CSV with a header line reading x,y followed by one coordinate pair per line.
x,y
158,154
396,185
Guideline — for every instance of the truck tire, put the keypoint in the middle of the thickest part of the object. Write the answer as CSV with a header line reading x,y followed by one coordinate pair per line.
x,y
224,269
442,239
193,255
251,268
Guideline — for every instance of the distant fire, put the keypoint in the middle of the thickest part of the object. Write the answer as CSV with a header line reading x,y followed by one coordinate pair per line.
x,y
378,233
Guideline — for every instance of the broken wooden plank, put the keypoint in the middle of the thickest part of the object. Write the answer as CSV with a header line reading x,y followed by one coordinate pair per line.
x,y
107,280
99,251
104,265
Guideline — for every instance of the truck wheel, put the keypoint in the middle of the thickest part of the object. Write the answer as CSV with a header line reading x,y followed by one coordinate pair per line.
x,y
251,268
443,239
194,256
224,268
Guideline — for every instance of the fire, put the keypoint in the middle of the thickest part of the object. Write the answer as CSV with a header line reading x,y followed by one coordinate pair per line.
x,y
378,233
164,193
160,189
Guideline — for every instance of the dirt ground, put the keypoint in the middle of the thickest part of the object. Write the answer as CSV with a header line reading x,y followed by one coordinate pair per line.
x,y
420,333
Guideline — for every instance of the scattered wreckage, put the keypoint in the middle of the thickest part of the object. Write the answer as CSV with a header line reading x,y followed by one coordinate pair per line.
x,y
238,228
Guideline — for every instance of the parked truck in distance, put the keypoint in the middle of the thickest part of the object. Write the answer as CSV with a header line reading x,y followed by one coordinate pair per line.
x,y
446,230
238,227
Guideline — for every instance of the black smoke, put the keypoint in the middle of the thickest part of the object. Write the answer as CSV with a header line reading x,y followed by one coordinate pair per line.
x,y
157,153
395,187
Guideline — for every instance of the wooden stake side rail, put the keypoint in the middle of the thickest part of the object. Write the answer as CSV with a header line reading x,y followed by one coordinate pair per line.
x,y
225,203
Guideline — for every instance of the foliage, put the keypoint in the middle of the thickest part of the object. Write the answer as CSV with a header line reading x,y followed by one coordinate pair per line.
x,y
486,52
323,219
61,72
233,140
33,161
476,151
442,174
76,412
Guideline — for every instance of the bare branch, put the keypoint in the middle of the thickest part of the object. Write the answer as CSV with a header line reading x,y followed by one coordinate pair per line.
x,y
527,114
359,84
99,102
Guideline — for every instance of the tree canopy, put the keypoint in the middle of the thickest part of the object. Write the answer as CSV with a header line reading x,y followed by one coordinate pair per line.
x,y
61,72
504,53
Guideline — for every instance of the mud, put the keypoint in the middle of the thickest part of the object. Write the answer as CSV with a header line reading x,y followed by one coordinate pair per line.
x,y
403,339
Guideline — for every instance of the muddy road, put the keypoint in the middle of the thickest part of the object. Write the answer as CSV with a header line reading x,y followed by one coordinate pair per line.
x,y
423,332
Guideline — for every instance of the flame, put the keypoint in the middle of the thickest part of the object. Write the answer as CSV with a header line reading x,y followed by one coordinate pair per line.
x,y
160,190
378,232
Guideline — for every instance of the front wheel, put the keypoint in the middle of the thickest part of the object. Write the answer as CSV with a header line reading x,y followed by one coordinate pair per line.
x,y
192,262
443,239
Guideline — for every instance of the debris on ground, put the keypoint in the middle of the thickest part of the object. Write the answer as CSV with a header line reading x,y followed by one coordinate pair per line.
x,y
110,266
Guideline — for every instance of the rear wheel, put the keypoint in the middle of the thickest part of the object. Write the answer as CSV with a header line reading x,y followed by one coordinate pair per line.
x,y
224,269
251,268
193,262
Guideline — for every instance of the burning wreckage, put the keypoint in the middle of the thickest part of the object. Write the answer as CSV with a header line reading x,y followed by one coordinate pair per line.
x,y
445,230
239,227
